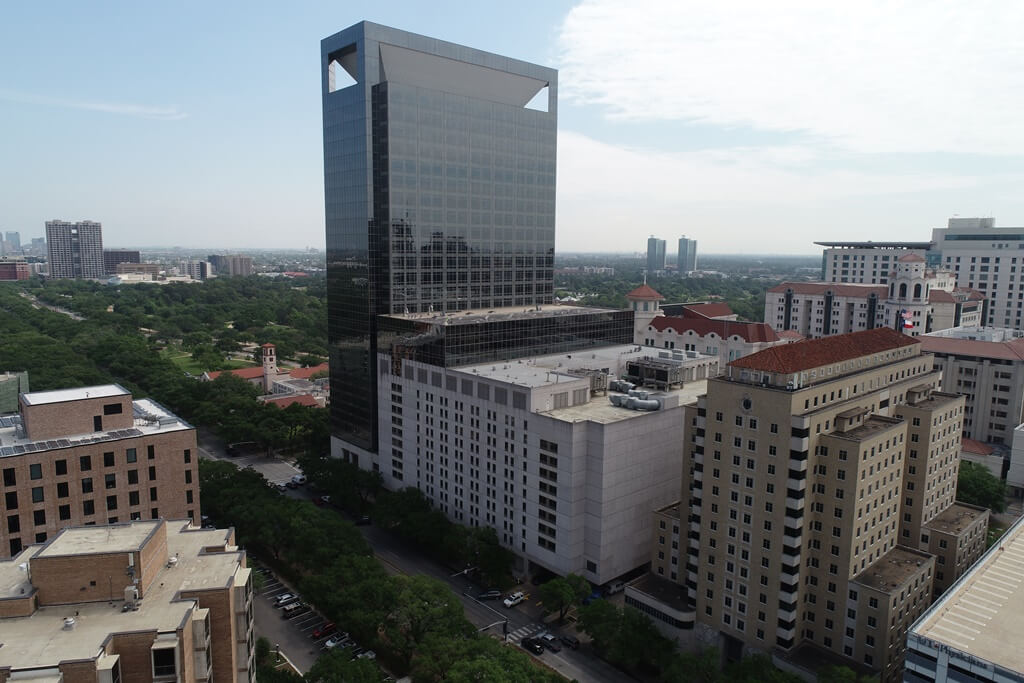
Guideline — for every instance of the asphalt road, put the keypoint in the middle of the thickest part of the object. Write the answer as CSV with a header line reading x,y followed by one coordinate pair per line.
x,y
523,620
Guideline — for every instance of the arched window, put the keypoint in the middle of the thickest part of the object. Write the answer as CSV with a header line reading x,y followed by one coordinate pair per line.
x,y
917,291
903,290
892,289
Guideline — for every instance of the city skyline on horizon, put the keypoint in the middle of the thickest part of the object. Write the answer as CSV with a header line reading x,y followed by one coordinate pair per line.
x,y
185,141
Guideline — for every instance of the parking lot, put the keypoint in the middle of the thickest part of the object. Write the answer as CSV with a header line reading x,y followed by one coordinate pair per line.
x,y
300,637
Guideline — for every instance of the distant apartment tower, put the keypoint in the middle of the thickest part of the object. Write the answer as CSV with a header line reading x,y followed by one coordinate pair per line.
x,y
988,259
113,257
197,270
819,492
75,249
13,238
686,261
139,601
655,254
231,264
92,455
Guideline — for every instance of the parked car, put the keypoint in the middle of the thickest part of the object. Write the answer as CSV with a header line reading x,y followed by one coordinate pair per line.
x,y
531,645
299,479
615,587
550,642
284,599
337,641
368,654
325,630
570,641
322,500
514,599
489,595
281,486
292,610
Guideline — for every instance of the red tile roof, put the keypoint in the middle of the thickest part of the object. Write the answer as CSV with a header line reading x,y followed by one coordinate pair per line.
x,y
267,345
790,334
244,373
910,258
959,294
707,310
750,332
1007,350
644,291
838,289
977,447
301,399
306,373
814,353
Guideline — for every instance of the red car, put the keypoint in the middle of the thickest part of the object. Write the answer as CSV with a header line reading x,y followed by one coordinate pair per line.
x,y
325,630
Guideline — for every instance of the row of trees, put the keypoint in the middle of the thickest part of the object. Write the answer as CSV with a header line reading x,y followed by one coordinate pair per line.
x,y
414,623
409,515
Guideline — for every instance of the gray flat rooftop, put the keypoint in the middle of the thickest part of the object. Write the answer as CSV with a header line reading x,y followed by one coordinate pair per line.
x,y
40,640
670,510
149,418
871,427
955,518
981,613
889,572
663,590
39,398
499,314
114,538
601,410
934,400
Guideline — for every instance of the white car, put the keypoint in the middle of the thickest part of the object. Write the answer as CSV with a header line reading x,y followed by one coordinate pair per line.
x,y
299,479
514,599
337,641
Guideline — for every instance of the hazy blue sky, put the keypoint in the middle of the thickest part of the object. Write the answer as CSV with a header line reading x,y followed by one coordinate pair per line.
x,y
750,126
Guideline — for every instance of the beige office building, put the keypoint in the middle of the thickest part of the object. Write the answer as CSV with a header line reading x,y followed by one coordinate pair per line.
x,y
92,455
821,475
136,602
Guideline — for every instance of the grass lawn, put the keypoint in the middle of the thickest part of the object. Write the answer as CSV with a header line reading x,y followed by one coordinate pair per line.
x,y
184,360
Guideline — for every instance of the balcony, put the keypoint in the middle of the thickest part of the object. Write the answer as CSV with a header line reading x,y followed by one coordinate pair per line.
x,y
791,560
799,485
796,504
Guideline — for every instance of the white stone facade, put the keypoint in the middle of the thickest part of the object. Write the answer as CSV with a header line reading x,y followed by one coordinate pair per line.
x,y
566,479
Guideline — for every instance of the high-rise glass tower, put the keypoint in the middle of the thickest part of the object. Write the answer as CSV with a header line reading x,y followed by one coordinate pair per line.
x,y
439,184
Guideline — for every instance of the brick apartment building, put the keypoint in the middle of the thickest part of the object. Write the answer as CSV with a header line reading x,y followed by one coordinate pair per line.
x,y
89,456
135,602
818,516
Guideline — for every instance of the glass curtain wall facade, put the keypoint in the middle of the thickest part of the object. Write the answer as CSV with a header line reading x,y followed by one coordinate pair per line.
x,y
439,187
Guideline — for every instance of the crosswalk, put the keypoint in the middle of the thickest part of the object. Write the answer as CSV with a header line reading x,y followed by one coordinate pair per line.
x,y
525,631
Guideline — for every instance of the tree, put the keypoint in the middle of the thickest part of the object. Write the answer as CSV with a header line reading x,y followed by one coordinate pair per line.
x,y
977,486
843,674
560,594
337,665
601,620
423,606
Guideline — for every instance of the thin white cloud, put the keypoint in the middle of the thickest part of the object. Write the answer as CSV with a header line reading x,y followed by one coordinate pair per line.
x,y
868,76
120,108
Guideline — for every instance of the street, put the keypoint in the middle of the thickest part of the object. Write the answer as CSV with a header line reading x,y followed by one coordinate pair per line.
x,y
524,620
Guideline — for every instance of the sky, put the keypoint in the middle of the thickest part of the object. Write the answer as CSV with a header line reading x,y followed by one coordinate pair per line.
x,y
752,127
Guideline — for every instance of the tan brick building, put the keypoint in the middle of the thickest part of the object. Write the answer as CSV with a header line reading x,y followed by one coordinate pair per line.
x,y
135,602
89,456
821,479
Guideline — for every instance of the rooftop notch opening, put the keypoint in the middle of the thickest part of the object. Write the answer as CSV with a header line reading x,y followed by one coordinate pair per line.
x,y
342,68
540,101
